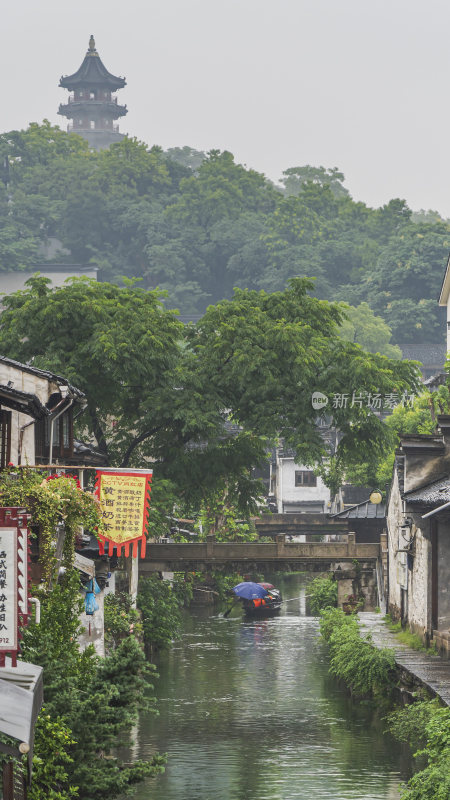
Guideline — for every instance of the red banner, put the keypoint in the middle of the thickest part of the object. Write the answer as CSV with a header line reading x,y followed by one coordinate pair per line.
x,y
124,497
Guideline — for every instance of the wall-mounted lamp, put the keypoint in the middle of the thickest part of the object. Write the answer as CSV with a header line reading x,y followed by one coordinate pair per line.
x,y
405,529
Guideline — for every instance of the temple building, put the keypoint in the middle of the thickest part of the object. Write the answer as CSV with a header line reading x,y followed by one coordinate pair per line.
x,y
92,108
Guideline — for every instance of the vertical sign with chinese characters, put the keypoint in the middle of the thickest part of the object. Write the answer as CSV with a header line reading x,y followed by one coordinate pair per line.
x,y
124,501
8,590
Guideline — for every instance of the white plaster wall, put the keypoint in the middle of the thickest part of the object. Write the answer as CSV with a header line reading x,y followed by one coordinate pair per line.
x,y
394,516
419,577
422,469
26,382
32,384
94,627
28,451
287,492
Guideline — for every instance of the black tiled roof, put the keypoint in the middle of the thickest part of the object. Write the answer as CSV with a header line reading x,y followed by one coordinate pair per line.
x,y
365,510
428,354
24,402
92,72
434,493
41,373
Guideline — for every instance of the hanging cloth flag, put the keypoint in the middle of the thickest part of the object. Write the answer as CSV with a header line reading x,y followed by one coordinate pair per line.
x,y
124,497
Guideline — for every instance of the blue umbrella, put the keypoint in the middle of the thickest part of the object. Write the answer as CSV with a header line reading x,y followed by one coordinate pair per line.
x,y
249,590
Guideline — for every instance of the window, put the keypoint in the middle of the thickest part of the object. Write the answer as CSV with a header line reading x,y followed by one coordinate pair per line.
x,y
62,437
5,438
92,95
92,124
56,434
65,419
305,477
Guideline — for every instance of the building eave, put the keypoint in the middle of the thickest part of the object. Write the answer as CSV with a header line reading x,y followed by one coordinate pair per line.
x,y
92,73
445,288
23,402
76,393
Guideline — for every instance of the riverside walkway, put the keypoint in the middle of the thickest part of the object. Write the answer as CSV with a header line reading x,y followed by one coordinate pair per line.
x,y
431,671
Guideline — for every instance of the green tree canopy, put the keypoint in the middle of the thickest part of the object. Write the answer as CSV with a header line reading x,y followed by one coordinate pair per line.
x,y
371,332
198,225
295,179
201,402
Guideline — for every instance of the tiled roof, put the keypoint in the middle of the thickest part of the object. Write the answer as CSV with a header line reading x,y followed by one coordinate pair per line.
x,y
434,493
428,354
24,402
365,510
92,72
41,373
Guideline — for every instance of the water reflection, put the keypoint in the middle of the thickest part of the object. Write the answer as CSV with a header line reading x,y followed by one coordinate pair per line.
x,y
248,712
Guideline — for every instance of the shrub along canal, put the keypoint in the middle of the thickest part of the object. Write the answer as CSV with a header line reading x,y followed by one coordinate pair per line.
x,y
247,711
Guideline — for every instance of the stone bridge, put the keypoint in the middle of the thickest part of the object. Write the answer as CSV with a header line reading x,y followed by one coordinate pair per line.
x,y
264,556
299,524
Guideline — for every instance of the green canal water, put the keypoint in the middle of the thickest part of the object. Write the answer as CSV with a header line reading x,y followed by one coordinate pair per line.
x,y
247,711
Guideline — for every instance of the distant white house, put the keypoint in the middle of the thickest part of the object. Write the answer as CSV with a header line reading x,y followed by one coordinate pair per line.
x,y
297,489
57,273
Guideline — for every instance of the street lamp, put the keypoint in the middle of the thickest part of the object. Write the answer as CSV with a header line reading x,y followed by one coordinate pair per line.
x,y
375,497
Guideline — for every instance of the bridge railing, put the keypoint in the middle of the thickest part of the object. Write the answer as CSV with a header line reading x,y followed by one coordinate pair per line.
x,y
280,549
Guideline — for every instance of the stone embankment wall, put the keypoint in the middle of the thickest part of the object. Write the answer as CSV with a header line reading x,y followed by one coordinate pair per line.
x,y
359,580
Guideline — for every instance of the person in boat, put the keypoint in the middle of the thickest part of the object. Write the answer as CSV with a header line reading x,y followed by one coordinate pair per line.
x,y
273,596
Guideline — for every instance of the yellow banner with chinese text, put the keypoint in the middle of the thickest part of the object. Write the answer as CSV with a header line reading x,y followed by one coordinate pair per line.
x,y
124,502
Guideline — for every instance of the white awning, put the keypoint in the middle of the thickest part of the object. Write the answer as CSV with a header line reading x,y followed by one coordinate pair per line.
x,y
21,698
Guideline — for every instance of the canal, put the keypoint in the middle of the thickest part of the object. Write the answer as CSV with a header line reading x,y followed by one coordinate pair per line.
x,y
247,711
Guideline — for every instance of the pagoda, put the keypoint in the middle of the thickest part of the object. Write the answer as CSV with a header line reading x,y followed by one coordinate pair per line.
x,y
92,108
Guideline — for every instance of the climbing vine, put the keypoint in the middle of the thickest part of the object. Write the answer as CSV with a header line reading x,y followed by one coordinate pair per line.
x,y
55,502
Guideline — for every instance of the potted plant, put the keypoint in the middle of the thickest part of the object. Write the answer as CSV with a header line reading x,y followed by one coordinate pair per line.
x,y
352,603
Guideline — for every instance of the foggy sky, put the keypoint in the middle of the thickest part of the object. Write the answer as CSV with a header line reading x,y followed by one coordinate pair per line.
x,y
358,84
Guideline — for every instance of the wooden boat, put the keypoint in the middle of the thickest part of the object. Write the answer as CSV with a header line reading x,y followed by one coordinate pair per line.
x,y
263,607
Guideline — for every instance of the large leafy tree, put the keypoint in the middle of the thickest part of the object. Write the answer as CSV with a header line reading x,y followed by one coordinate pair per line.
x,y
201,402
120,344
146,398
266,354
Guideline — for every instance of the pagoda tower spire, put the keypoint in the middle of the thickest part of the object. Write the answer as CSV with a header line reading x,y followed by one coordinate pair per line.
x,y
92,108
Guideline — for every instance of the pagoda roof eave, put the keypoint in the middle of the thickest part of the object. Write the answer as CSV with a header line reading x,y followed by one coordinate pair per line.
x,y
92,73
110,109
